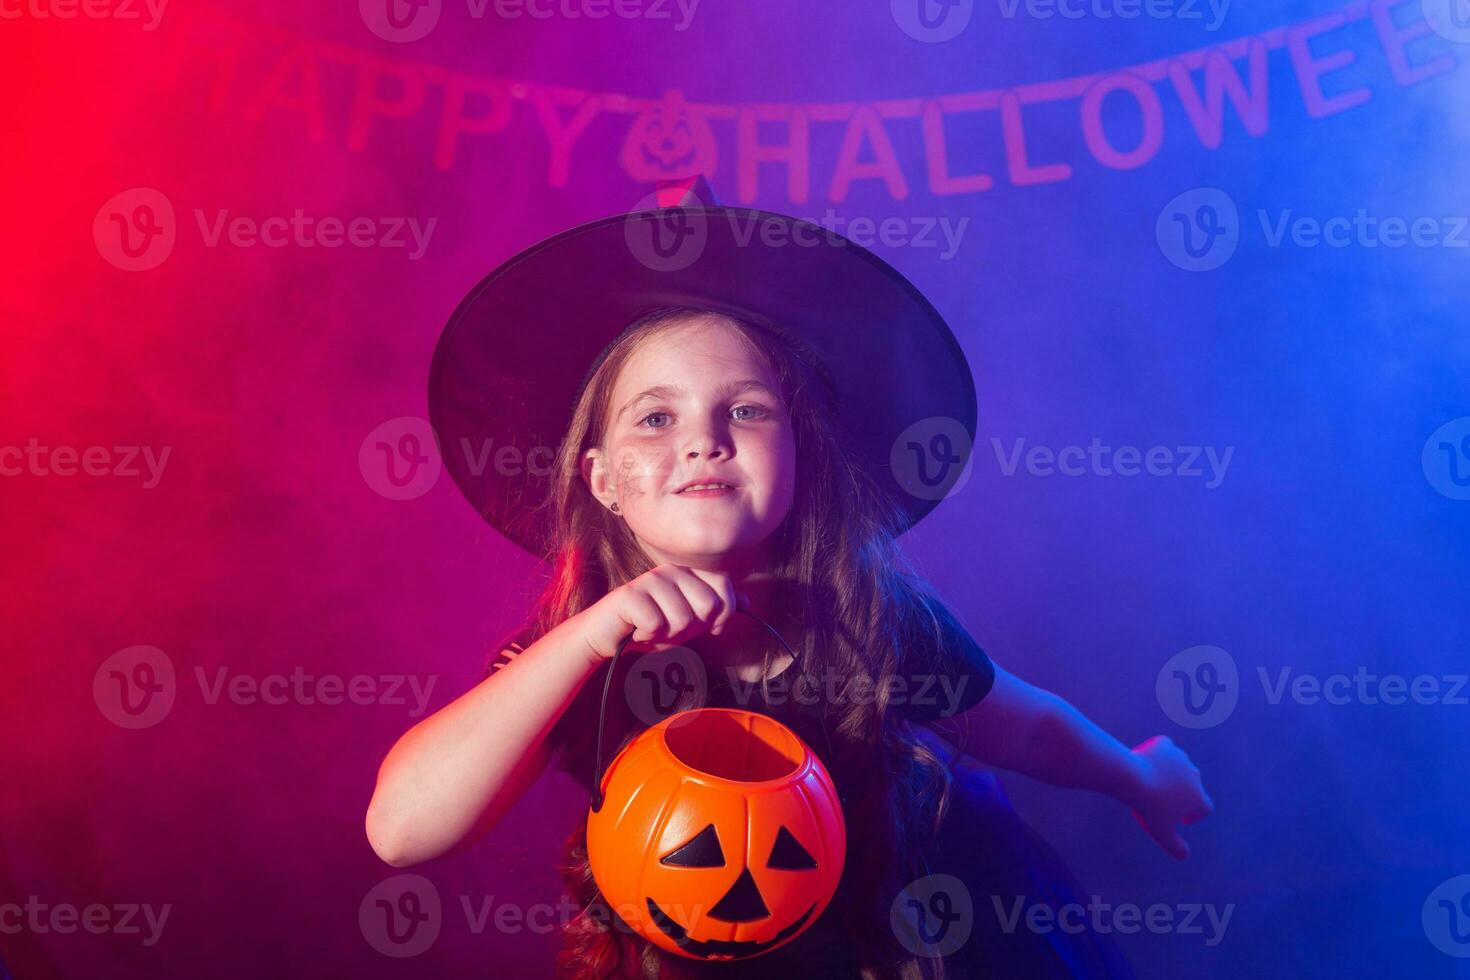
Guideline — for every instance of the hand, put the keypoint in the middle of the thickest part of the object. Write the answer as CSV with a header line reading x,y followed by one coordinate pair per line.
x,y
1170,793
661,608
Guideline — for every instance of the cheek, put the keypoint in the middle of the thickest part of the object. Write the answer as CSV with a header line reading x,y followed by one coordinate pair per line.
x,y
774,464
635,470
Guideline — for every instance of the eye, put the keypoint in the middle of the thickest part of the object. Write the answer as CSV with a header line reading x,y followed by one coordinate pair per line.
x,y
758,410
754,408
650,416
701,852
787,854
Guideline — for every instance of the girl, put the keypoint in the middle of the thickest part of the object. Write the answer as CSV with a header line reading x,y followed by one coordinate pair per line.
x,y
795,529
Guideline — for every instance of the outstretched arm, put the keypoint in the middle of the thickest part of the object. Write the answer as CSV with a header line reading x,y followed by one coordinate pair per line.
x,y
1033,732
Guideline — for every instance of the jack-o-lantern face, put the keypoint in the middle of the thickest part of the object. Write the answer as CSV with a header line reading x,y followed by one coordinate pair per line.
x,y
668,140
720,835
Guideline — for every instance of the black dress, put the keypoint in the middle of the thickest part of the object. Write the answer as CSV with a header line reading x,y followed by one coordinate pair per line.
x,y
985,869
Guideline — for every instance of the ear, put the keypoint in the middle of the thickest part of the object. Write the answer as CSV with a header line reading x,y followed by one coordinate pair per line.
x,y
595,475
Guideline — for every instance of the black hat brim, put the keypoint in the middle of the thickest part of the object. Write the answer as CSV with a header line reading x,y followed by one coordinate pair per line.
x,y
515,353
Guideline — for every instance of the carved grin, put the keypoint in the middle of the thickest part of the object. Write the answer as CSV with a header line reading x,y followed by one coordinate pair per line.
x,y
712,948
670,162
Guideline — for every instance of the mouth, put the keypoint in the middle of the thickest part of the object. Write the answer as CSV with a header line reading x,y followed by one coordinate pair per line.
x,y
709,488
721,948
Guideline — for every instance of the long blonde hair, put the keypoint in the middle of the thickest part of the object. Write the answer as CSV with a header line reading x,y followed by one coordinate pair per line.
x,y
863,607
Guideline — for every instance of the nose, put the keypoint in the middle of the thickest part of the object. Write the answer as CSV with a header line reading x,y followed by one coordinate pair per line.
x,y
712,441
742,903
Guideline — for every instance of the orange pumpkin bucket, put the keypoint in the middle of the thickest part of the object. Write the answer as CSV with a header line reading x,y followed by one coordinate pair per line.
x,y
716,834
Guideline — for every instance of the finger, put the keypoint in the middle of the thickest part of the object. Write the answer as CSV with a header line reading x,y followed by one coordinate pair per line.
x,y
1177,847
645,616
724,588
702,596
1200,812
671,602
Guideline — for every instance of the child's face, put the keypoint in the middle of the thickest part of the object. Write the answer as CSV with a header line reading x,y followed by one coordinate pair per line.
x,y
702,426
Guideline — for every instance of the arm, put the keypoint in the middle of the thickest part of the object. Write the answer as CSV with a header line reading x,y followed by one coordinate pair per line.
x,y
457,772
1035,733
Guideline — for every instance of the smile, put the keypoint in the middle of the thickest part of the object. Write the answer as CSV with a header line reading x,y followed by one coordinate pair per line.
x,y
710,948
705,490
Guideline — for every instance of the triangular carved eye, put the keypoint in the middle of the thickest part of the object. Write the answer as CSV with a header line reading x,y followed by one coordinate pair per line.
x,y
788,855
701,852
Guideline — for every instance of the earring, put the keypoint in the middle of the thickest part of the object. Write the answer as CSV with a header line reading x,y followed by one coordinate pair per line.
x,y
614,507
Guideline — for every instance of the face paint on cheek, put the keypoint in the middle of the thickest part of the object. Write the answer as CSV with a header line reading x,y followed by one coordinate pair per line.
x,y
635,471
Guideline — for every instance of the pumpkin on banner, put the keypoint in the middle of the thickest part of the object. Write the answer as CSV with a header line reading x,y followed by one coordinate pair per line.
x,y
669,139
